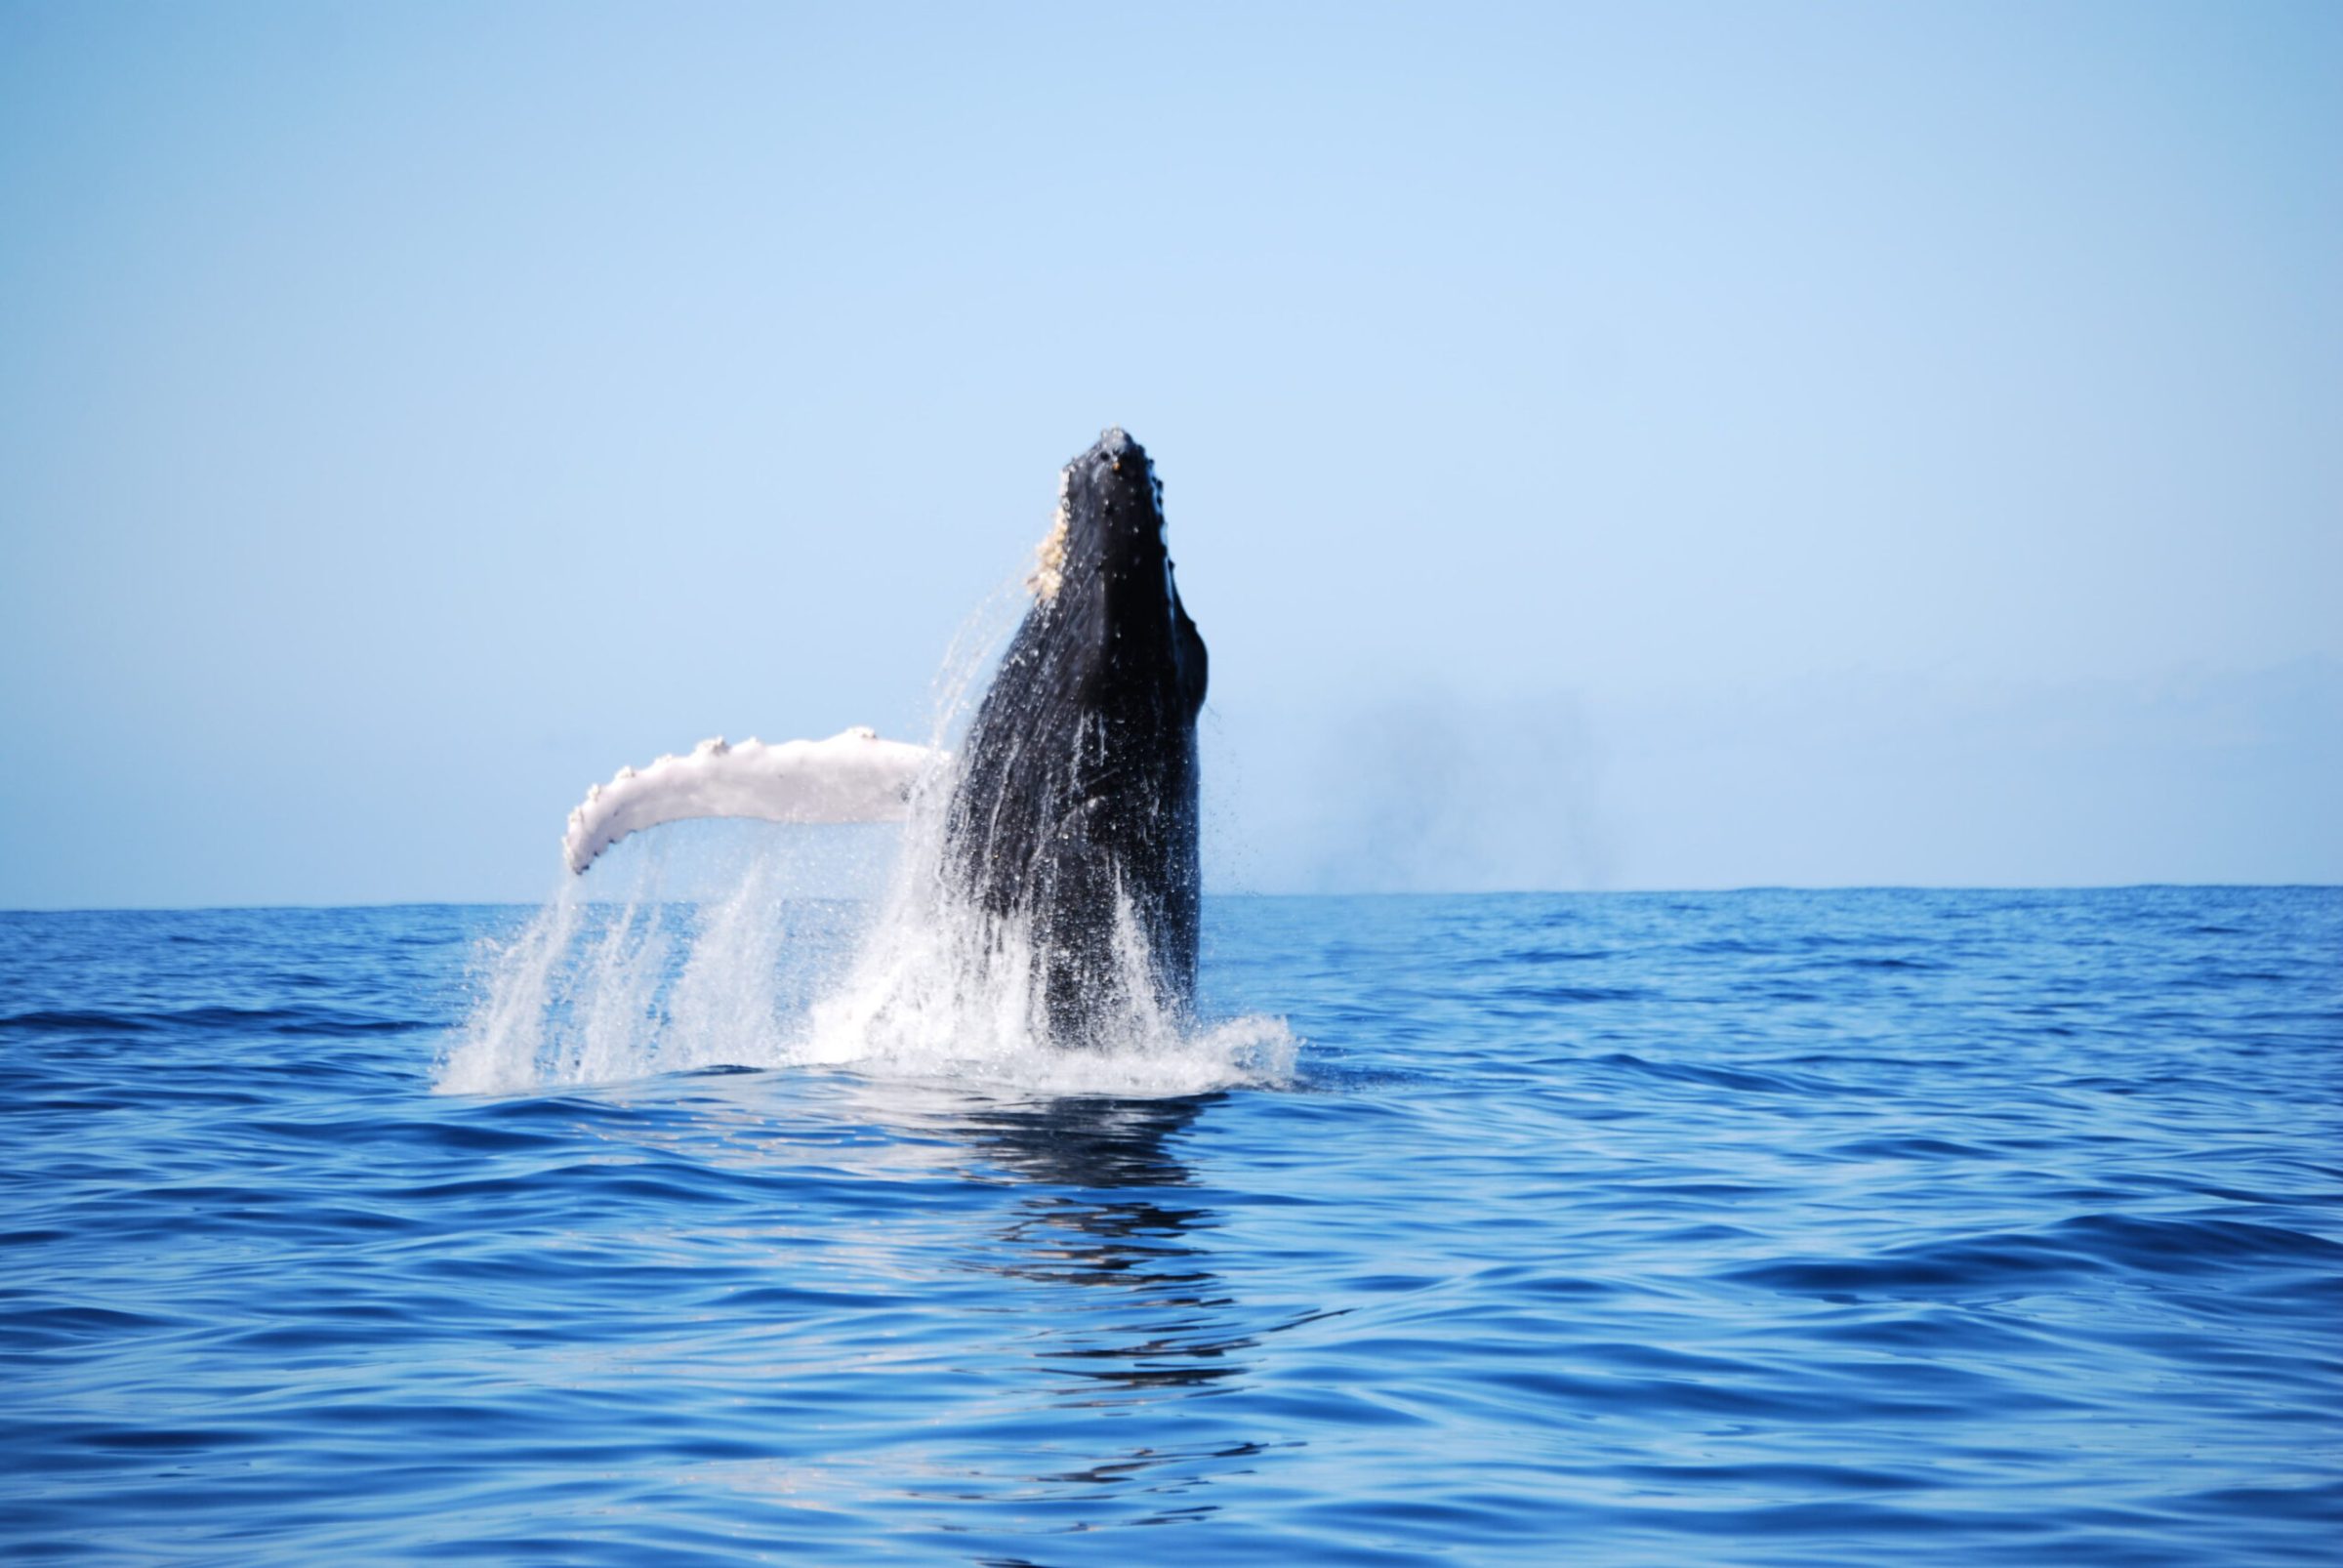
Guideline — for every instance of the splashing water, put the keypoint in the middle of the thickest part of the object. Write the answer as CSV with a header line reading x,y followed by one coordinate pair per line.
x,y
919,986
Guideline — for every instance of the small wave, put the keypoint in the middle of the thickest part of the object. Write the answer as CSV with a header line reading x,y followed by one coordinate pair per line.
x,y
59,1022
1980,1264
2195,1246
1548,996
1907,1147
61,1326
215,1018
1736,1079
2073,1249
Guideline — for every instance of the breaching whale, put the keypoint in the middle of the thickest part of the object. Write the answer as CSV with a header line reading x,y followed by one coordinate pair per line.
x,y
1069,830
1074,816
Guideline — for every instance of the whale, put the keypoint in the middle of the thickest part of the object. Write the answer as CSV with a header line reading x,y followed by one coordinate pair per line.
x,y
1074,818
1070,807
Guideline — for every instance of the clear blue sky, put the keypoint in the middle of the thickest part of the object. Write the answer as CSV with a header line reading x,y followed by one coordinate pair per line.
x,y
1617,446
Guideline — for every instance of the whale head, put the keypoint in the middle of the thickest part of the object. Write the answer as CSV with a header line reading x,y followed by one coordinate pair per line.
x,y
1105,579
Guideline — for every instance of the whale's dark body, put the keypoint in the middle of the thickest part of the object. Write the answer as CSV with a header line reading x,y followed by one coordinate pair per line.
x,y
1077,793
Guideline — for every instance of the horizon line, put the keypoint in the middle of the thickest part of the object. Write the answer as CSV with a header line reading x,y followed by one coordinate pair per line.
x,y
1734,890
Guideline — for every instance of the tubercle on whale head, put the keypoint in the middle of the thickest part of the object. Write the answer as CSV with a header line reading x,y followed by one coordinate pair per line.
x,y
1112,502
1109,518
1106,565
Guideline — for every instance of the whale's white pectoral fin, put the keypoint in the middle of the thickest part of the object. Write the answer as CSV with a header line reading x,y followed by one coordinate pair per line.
x,y
851,777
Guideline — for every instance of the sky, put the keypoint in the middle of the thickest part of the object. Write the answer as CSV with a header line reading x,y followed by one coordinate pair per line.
x,y
1604,446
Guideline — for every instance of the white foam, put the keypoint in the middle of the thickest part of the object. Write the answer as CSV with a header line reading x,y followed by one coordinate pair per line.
x,y
910,988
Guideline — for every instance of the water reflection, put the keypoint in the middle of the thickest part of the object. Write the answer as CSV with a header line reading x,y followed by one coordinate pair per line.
x,y
1111,1209
1075,1247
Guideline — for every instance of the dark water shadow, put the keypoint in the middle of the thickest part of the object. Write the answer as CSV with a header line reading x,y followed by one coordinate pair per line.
x,y
1108,1243
1110,1208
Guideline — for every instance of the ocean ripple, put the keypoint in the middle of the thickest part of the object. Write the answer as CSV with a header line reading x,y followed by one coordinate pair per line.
x,y
1752,1228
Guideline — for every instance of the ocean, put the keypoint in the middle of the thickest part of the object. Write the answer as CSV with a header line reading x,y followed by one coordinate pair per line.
x,y
1768,1228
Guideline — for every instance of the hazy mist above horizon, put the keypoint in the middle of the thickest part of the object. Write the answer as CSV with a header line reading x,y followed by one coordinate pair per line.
x,y
1603,446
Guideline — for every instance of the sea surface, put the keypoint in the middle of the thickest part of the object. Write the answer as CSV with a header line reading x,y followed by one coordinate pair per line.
x,y
1762,1227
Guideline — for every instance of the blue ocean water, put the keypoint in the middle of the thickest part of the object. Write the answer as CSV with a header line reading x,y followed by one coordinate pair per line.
x,y
1764,1227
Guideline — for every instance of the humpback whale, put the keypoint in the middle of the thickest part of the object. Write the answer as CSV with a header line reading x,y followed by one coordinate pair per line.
x,y
1074,816
1070,823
